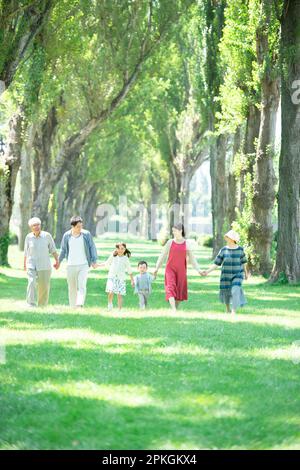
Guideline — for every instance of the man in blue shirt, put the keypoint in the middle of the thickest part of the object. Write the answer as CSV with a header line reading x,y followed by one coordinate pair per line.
x,y
79,249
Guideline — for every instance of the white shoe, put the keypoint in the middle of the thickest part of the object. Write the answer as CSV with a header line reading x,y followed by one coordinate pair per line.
x,y
110,306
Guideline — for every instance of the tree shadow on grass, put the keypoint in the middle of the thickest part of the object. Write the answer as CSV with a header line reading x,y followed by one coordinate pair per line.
x,y
100,382
13,288
210,332
141,399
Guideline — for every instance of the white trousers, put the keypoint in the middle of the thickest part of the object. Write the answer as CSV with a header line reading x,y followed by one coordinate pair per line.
x,y
77,279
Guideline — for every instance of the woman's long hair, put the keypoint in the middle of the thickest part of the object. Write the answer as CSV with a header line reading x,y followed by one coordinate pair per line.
x,y
126,252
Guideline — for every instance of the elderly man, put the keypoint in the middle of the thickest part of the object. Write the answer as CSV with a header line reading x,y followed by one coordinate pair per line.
x,y
79,249
38,247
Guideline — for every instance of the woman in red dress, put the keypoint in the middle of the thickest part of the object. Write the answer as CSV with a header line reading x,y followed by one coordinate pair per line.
x,y
176,251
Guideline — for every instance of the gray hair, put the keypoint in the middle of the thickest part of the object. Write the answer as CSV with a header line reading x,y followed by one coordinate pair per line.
x,y
33,221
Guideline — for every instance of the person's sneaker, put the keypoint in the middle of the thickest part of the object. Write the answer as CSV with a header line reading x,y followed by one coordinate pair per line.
x,y
109,306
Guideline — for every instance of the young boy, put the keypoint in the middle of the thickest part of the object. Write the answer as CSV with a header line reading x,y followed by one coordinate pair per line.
x,y
143,283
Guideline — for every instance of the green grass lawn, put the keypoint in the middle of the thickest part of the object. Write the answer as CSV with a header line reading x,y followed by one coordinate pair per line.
x,y
93,379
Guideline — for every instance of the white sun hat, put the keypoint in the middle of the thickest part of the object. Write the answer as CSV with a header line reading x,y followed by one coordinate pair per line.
x,y
33,221
233,236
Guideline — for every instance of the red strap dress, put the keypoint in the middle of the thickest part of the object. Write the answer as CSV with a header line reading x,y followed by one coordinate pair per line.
x,y
175,274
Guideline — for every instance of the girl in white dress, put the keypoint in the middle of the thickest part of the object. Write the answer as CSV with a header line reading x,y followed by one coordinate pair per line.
x,y
118,264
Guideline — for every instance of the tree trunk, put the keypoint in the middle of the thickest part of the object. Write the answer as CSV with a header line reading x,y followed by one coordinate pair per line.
x,y
8,176
42,144
218,190
215,18
249,151
26,189
60,209
174,197
181,175
36,175
144,223
232,179
51,215
152,210
89,208
261,229
288,249
185,210
264,181
67,198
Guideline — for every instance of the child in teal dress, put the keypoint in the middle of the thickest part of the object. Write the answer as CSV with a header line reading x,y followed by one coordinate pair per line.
x,y
234,269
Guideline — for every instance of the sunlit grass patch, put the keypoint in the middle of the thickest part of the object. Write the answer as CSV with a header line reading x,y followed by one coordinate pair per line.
x,y
195,379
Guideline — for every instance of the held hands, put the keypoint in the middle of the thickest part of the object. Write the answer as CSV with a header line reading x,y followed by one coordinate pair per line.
x,y
203,273
56,264
98,265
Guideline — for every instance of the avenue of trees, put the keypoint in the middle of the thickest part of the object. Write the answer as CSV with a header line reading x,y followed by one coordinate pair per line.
x,y
109,97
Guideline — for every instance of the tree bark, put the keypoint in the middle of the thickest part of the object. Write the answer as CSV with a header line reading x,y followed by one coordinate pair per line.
x,y
184,197
43,184
8,176
264,181
181,174
89,207
60,208
288,249
264,184
174,195
219,190
152,210
68,197
232,179
26,188
249,151
215,19
50,225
